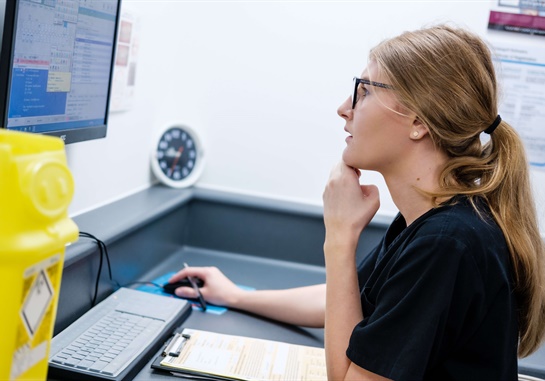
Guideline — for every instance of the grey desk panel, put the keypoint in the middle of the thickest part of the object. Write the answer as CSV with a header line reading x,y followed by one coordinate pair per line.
x,y
260,273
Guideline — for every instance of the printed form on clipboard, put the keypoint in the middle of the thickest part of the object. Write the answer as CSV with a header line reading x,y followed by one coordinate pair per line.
x,y
207,355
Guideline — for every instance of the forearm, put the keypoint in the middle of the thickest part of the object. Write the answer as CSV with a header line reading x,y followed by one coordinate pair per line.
x,y
304,306
343,307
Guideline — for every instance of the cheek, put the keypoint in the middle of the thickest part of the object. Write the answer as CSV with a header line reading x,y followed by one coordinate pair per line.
x,y
377,137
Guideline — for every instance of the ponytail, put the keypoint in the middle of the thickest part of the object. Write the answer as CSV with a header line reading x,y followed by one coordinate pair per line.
x,y
511,202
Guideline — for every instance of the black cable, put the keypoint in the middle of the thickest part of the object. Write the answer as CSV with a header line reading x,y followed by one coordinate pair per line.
x,y
86,235
104,250
148,283
103,253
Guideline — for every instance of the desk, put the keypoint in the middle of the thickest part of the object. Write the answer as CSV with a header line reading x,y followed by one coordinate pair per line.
x,y
249,271
154,231
265,273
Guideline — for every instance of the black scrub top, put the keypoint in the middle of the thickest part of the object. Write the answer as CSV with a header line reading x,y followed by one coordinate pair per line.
x,y
437,300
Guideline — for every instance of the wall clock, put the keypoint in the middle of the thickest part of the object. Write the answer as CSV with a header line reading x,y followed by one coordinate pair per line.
x,y
177,158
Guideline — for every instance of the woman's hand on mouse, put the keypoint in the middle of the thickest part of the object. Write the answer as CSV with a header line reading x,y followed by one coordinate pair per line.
x,y
217,288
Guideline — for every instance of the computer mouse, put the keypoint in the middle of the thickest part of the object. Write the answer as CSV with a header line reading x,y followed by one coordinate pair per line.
x,y
170,287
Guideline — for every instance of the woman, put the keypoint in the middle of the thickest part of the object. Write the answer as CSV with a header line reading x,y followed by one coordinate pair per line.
x,y
456,288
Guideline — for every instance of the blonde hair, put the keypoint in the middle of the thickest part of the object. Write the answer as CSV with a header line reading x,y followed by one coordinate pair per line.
x,y
446,76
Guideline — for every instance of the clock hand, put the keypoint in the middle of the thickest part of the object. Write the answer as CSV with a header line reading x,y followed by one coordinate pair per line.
x,y
178,155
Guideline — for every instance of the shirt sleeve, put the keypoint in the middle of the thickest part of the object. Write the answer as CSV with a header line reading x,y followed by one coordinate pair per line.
x,y
423,294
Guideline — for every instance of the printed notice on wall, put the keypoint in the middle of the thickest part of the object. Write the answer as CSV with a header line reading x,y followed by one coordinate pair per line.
x,y
520,16
521,75
128,42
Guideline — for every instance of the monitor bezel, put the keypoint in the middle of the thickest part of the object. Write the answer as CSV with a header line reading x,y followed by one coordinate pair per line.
x,y
68,135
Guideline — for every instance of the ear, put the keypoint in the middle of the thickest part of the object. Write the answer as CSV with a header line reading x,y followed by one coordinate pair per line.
x,y
418,129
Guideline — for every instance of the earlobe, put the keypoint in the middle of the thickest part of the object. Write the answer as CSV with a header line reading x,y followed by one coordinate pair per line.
x,y
419,130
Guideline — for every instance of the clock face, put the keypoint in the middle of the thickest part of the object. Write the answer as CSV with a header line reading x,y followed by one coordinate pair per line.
x,y
177,157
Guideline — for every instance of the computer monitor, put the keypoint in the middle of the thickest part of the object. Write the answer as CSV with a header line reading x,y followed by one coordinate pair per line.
x,y
56,66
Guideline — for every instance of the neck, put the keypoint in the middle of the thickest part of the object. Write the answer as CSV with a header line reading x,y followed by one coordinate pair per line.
x,y
419,171
411,203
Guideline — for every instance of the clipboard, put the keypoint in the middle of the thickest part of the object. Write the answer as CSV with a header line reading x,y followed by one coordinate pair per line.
x,y
205,355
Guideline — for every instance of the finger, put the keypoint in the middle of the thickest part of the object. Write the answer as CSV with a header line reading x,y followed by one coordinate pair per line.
x,y
196,272
186,292
338,171
178,276
345,168
202,273
369,190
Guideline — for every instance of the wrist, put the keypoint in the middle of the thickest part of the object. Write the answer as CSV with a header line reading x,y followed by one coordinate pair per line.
x,y
236,298
339,255
340,242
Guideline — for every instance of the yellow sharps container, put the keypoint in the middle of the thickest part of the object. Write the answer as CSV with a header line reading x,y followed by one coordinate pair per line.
x,y
36,188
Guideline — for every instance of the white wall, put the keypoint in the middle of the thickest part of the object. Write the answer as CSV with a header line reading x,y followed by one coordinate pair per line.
x,y
261,81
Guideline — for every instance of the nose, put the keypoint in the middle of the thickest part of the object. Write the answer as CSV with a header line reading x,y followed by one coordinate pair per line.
x,y
345,109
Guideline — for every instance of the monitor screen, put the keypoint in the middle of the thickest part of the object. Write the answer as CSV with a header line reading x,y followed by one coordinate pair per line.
x,y
56,66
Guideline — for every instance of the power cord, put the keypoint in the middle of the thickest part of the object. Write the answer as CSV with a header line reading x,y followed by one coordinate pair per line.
x,y
103,253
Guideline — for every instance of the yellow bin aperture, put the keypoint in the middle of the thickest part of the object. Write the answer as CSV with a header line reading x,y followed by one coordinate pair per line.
x,y
36,188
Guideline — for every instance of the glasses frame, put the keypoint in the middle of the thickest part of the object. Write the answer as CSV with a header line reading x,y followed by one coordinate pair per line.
x,y
357,82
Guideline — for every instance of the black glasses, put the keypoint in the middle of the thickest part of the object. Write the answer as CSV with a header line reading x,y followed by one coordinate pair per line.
x,y
357,82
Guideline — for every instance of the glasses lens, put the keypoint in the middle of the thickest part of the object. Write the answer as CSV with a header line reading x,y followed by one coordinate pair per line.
x,y
355,95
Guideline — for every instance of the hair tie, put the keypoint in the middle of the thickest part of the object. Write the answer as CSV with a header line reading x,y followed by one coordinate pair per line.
x,y
493,126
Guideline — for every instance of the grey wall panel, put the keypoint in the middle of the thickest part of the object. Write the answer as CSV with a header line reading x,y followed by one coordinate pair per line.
x,y
264,232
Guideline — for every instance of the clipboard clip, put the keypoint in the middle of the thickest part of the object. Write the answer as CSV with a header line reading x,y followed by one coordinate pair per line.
x,y
176,345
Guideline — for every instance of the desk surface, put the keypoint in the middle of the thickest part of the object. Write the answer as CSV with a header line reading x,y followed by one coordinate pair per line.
x,y
249,271
264,274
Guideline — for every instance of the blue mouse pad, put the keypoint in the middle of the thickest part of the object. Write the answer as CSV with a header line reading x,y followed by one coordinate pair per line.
x,y
210,308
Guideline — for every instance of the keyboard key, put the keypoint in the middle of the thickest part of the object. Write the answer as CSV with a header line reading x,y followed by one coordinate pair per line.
x,y
98,366
85,364
58,360
71,362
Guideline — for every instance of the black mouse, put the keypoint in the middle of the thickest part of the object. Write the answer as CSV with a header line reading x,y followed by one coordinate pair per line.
x,y
170,287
